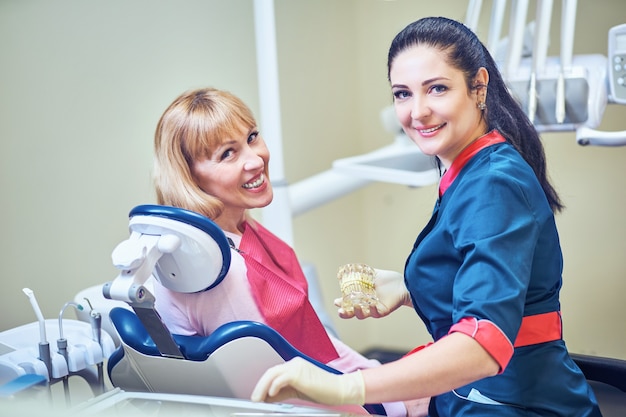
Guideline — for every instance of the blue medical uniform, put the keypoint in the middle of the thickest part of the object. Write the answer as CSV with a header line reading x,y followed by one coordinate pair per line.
x,y
491,253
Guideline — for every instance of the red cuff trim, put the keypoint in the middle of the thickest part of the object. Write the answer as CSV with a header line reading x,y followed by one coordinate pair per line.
x,y
489,336
417,349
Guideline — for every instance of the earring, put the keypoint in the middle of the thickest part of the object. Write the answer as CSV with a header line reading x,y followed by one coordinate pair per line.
x,y
481,105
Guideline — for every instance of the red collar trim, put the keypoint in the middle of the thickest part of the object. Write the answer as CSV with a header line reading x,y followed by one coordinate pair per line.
x,y
466,154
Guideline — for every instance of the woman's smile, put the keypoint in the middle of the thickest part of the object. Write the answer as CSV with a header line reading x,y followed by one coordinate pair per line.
x,y
426,131
256,183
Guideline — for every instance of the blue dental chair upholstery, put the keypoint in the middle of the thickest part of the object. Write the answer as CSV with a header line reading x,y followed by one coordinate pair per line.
x,y
164,242
228,363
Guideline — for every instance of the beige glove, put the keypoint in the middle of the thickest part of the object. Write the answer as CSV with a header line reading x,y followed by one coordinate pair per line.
x,y
299,378
391,292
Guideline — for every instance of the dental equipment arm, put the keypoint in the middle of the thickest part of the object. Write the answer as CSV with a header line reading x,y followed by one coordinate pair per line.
x,y
473,13
137,258
587,136
540,50
497,15
516,35
568,25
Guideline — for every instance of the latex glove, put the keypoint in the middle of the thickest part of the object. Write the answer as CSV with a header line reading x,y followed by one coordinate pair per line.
x,y
390,291
299,378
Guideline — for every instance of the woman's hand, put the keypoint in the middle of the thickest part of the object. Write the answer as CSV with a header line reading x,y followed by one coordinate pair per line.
x,y
299,378
390,291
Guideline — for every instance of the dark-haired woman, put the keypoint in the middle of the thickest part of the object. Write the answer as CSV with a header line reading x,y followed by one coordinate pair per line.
x,y
485,273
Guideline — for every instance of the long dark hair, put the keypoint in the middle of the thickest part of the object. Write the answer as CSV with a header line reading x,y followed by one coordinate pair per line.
x,y
467,53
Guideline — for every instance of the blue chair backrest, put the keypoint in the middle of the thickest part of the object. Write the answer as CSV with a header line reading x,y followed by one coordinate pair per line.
x,y
198,348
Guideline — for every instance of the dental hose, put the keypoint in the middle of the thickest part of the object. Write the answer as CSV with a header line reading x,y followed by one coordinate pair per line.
x,y
95,319
62,348
96,326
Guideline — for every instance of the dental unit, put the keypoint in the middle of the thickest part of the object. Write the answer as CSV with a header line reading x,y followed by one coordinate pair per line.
x,y
27,359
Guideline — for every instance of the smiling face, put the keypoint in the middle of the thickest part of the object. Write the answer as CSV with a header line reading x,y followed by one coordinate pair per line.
x,y
236,172
433,103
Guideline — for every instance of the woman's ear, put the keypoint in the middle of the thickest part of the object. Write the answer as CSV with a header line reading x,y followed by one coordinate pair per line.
x,y
481,80
482,77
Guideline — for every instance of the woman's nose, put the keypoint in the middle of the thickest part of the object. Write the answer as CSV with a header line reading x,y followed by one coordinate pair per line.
x,y
419,108
253,161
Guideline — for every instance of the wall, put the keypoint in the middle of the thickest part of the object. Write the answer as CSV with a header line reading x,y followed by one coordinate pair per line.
x,y
83,85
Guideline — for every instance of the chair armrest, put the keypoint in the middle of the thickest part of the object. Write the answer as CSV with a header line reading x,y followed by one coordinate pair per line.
x,y
610,371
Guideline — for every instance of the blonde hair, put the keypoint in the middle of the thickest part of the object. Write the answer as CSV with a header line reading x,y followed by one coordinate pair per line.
x,y
190,129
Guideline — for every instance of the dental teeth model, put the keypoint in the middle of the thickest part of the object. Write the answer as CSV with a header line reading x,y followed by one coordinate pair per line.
x,y
357,286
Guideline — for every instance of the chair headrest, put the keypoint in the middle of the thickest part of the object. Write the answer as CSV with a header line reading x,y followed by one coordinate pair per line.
x,y
203,258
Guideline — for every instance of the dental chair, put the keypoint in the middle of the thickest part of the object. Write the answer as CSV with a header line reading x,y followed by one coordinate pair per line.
x,y
185,252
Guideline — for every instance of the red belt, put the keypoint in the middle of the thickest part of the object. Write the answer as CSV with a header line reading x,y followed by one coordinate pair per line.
x,y
540,328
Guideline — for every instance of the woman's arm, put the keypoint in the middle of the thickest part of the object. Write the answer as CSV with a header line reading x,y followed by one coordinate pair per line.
x,y
451,362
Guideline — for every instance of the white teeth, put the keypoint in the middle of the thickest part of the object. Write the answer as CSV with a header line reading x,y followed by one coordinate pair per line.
x,y
254,184
432,129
